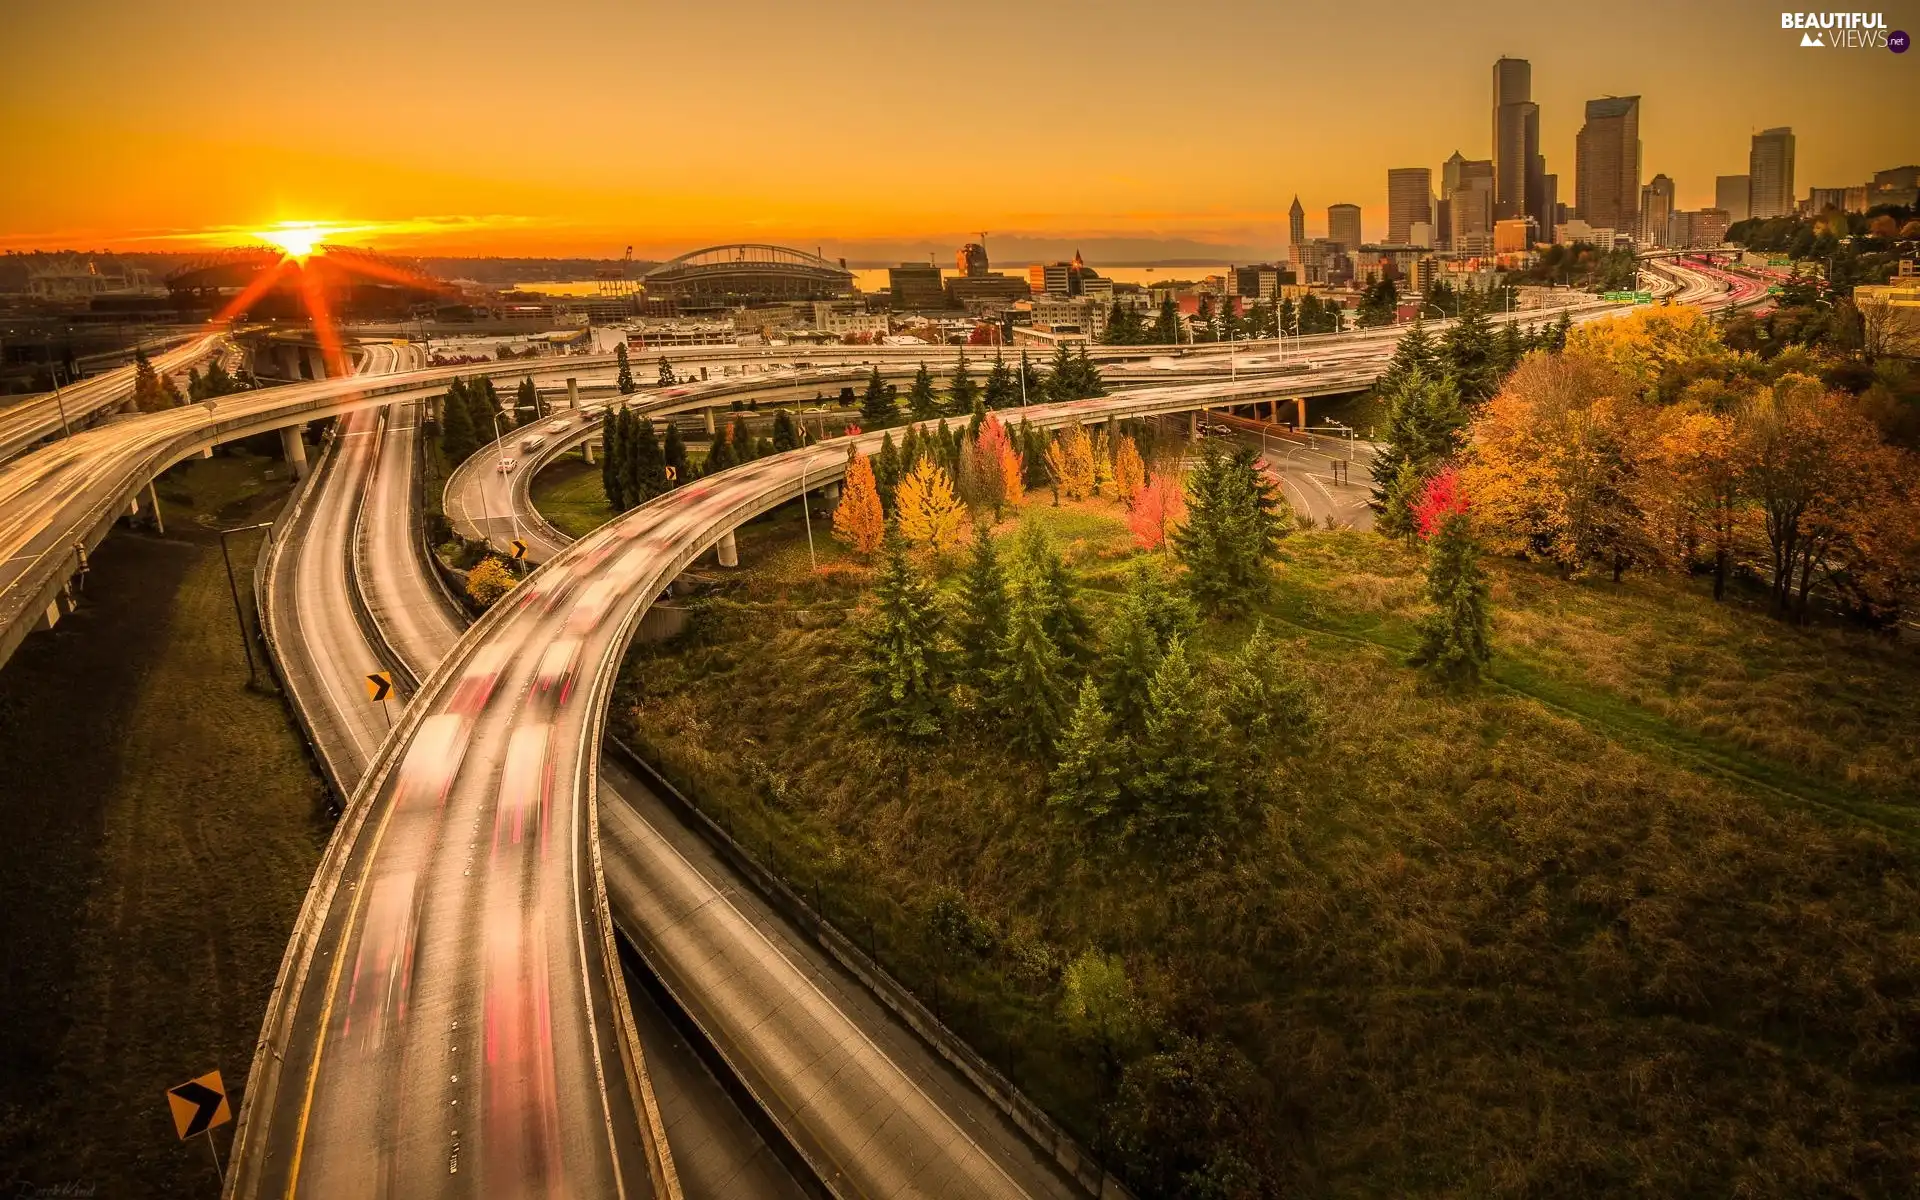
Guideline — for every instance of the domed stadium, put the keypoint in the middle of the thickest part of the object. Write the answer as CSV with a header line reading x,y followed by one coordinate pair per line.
x,y
722,277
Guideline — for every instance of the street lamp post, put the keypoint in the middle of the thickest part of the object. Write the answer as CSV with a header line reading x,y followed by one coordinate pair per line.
x,y
806,512
500,454
239,617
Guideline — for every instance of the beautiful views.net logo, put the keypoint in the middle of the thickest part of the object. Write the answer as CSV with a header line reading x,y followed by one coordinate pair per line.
x,y
1843,30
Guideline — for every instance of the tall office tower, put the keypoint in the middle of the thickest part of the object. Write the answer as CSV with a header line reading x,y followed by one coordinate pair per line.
x,y
1730,195
1296,223
1656,205
1516,135
971,260
1409,199
1770,173
1467,188
1606,183
1547,213
1343,226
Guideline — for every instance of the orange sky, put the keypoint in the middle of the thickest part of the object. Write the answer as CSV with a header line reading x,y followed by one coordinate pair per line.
x,y
876,131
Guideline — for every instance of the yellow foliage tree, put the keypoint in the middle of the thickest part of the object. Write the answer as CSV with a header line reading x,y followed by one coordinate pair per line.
x,y
1641,347
1070,462
1102,462
859,520
930,514
1129,472
488,581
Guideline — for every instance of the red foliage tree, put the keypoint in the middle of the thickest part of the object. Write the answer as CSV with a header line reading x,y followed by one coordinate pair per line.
x,y
1443,497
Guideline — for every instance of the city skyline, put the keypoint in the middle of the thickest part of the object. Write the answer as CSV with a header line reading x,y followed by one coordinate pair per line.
x,y
869,176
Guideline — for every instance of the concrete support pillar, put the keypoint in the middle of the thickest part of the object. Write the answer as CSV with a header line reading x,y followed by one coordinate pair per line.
x,y
588,447
832,492
727,550
206,452
711,431
153,498
49,618
294,450
573,393
1193,426
1301,403
133,507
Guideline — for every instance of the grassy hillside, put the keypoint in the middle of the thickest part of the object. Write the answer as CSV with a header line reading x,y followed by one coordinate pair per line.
x,y
171,822
1637,917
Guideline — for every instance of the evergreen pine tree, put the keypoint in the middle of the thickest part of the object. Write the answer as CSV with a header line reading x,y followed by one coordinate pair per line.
x,y
887,470
1029,388
742,439
901,661
1177,786
876,405
610,480
627,432
146,384
946,448
962,392
1468,348
983,612
1414,352
1128,661
1088,380
625,376
1512,347
1166,326
526,399
1456,639
1425,426
1232,532
667,377
1061,384
1265,702
457,440
1054,593
720,453
1084,783
1030,685
649,471
1561,329
922,403
785,437
673,456
1002,390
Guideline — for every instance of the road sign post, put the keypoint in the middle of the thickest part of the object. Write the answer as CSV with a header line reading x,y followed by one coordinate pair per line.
x,y
198,1105
246,639
379,686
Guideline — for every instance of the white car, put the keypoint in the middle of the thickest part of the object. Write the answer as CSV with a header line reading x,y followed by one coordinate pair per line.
x,y
505,465
557,426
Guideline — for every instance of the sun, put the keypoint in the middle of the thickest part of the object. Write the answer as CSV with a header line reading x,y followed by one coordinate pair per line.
x,y
295,239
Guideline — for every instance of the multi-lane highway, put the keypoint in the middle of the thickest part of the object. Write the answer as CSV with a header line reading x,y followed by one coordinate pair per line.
x,y
461,892
35,418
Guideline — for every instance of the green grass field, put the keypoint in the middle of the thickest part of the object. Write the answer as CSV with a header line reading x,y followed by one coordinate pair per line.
x,y
1637,917
169,822
568,493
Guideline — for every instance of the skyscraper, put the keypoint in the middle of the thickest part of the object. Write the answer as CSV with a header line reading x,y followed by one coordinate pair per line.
x,y
1770,173
1516,136
1606,182
1343,226
1730,194
1656,205
1409,199
971,260
1296,223
1466,188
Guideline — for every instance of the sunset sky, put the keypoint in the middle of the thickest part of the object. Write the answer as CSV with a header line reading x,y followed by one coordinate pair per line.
x,y
877,131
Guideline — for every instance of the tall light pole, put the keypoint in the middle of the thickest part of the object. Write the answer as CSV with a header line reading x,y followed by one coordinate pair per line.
x,y
500,453
806,511
239,616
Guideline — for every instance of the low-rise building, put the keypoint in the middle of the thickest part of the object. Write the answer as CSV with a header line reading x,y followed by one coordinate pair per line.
x,y
916,287
1699,229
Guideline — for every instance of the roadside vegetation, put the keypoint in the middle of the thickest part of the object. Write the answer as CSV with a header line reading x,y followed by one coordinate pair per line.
x,y
1486,856
174,821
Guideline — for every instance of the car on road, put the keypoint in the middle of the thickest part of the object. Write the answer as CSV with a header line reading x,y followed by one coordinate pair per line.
x,y
433,759
553,678
476,683
505,465
559,426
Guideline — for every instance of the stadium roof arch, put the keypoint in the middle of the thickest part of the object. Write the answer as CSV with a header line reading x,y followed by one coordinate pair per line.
x,y
745,274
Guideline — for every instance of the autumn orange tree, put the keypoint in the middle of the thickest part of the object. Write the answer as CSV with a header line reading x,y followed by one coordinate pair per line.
x,y
859,520
991,471
1692,491
930,514
1553,462
1158,508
